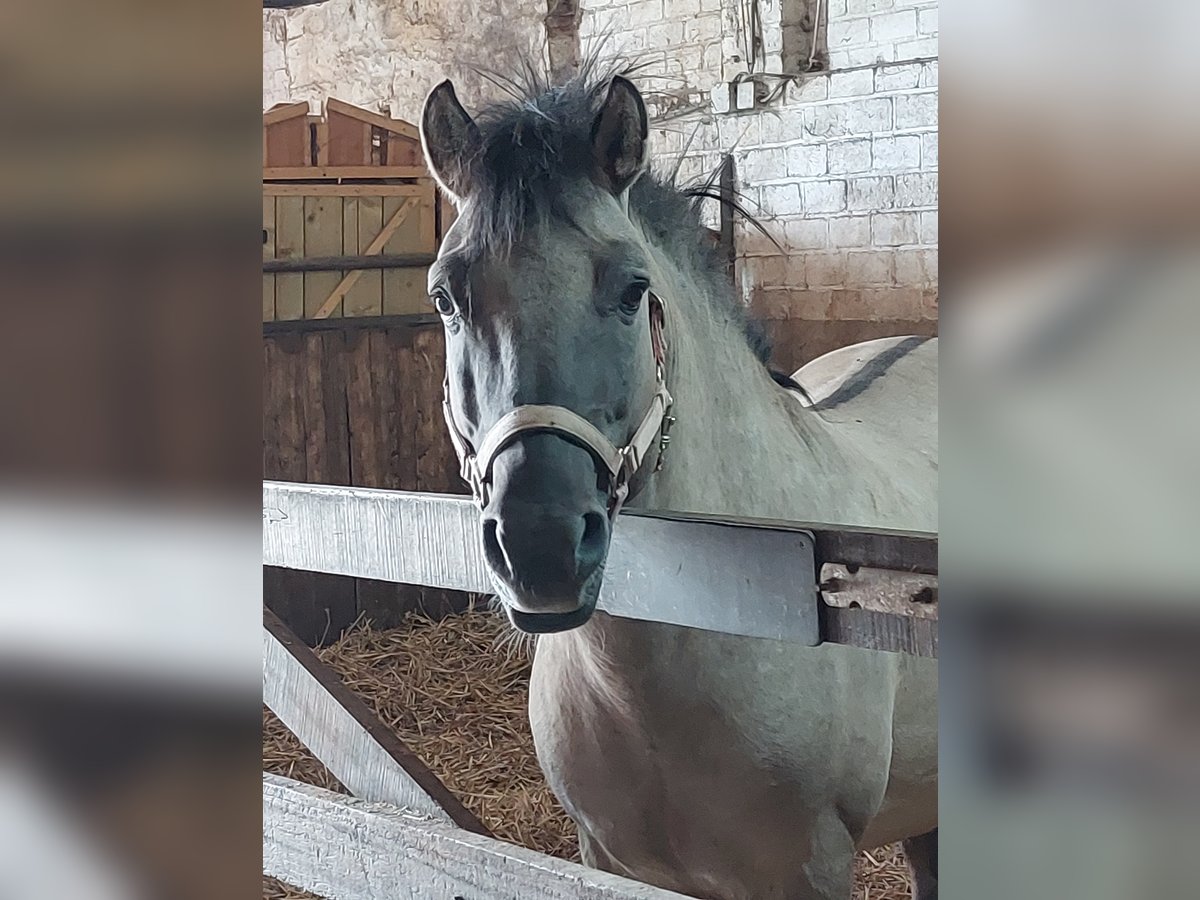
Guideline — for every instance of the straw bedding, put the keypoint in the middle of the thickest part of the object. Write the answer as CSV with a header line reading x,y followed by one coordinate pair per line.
x,y
455,691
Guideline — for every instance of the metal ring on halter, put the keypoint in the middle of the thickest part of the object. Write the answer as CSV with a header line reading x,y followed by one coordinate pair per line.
x,y
621,464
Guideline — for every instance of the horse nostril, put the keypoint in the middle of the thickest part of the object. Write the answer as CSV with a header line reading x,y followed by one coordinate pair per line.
x,y
593,544
492,550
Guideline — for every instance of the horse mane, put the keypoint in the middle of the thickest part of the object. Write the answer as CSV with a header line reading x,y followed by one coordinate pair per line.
x,y
539,140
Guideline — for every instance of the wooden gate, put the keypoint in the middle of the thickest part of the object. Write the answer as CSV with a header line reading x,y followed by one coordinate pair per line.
x,y
351,217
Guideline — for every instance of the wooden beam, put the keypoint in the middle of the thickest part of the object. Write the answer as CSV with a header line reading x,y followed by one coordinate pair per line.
x,y
874,630
373,249
331,721
330,189
283,113
330,173
396,126
346,263
408,320
346,849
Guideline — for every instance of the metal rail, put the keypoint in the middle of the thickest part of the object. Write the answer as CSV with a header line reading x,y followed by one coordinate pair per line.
x,y
739,576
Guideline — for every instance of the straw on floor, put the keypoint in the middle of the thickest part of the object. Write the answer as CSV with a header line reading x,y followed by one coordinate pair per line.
x,y
455,691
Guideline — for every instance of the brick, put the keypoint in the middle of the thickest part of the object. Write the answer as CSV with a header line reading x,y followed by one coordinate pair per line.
x,y
865,267
806,234
710,5
780,200
664,34
770,304
929,227
698,29
892,27
895,229
645,11
810,304
870,193
849,156
918,268
919,49
810,90
825,269
737,131
861,7
823,196
929,74
896,153
883,303
917,190
916,110
927,21
679,9
865,116
870,55
807,160
851,84
850,231
763,165
836,9
778,126
929,151
873,193
898,78
851,32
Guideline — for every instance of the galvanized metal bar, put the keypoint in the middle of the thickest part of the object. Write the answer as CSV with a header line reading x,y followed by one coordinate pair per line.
x,y
703,574
747,577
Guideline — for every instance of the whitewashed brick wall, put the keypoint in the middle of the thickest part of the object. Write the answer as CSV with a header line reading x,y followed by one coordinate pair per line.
x,y
843,166
387,54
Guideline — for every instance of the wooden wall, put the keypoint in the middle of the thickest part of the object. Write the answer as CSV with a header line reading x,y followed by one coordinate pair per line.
x,y
355,404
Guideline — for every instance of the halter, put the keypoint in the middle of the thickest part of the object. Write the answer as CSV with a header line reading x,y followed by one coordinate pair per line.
x,y
621,464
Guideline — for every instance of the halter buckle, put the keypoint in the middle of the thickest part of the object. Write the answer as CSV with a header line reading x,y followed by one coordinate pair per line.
x,y
664,440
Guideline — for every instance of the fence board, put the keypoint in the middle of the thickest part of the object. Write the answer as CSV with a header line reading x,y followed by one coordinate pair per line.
x,y
289,244
344,848
332,722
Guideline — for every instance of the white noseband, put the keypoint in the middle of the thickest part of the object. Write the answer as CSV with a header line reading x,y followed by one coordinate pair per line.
x,y
620,463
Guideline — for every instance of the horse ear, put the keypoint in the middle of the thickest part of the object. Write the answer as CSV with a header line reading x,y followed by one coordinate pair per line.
x,y
620,136
450,139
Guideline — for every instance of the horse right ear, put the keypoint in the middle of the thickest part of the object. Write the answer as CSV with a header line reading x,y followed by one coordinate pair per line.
x,y
620,136
450,138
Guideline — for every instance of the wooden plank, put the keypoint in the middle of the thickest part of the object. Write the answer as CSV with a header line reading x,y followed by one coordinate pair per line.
x,y
284,112
333,391
289,244
322,237
268,308
346,263
399,126
404,151
375,247
345,848
321,132
330,173
332,722
405,291
360,410
286,143
365,297
349,140
302,189
875,630
396,399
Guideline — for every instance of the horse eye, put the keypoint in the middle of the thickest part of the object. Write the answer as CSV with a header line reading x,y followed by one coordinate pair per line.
x,y
631,300
442,303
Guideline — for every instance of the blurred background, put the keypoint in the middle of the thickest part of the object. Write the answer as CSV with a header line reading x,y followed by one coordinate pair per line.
x,y
130,426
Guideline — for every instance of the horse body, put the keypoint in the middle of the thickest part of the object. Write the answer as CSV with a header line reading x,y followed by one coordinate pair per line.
x,y
720,766
730,767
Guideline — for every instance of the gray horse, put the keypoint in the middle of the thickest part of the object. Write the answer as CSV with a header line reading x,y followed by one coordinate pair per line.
x,y
585,317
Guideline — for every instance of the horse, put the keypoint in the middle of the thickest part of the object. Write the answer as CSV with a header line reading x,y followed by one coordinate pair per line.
x,y
596,357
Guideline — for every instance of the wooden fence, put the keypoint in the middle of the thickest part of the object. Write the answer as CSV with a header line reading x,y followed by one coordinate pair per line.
x,y
354,403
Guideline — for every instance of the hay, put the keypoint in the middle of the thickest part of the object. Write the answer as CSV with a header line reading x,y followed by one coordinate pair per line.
x,y
456,691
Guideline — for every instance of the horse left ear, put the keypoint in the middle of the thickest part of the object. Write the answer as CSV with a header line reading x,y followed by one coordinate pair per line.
x,y
620,136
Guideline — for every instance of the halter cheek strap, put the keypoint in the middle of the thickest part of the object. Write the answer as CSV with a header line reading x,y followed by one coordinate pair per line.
x,y
620,464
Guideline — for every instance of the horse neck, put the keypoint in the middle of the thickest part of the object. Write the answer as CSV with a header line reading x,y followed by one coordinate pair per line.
x,y
740,444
